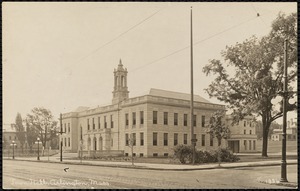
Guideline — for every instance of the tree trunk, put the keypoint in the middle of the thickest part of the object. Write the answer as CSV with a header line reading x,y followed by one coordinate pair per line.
x,y
266,126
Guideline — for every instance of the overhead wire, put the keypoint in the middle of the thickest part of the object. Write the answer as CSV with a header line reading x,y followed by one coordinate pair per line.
x,y
118,36
196,43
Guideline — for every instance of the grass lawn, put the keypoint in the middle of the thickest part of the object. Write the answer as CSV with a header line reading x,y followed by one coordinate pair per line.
x,y
275,146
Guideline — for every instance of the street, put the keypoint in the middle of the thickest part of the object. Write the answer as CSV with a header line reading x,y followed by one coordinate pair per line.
x,y
39,175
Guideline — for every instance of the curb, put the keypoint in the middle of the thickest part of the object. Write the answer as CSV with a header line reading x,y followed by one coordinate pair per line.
x,y
160,169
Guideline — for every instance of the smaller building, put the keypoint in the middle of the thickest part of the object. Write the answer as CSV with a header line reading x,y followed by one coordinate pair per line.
x,y
291,132
243,136
9,135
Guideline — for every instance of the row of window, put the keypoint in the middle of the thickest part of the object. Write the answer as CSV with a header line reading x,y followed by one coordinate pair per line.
x,y
11,138
65,141
249,123
130,139
142,154
134,118
175,121
93,125
69,128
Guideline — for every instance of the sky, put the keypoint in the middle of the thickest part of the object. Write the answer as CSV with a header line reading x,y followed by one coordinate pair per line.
x,y
61,55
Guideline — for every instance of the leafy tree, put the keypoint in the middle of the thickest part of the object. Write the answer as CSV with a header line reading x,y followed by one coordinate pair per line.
x,y
259,129
217,128
41,121
251,75
31,134
20,131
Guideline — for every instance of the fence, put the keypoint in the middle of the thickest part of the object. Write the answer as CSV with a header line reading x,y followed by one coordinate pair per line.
x,y
27,152
103,153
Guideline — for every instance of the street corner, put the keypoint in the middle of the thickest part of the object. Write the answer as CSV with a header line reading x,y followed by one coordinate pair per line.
x,y
276,181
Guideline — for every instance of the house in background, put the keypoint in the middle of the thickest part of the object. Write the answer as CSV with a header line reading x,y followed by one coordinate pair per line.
x,y
291,131
9,135
243,136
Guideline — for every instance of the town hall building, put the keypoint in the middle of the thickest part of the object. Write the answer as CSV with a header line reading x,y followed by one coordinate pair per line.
x,y
153,123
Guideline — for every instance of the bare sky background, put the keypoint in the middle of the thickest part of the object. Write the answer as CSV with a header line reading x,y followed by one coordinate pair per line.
x,y
62,55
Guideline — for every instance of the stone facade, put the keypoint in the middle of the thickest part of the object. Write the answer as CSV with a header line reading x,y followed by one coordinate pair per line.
x,y
243,135
156,122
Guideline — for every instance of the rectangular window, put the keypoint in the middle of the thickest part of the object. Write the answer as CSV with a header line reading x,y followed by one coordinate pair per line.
x,y
65,127
142,139
154,117
88,124
80,132
165,118
65,142
134,139
185,139
142,117
141,154
93,123
155,154
69,130
203,120
111,121
166,154
203,140
126,119
211,141
99,123
195,137
245,123
185,119
154,139
126,154
133,154
250,145
105,123
165,139
175,139
245,131
250,132
195,120
133,118
245,144
126,139
175,118
254,145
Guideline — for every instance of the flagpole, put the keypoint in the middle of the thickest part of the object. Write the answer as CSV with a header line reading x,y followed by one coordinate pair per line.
x,y
193,139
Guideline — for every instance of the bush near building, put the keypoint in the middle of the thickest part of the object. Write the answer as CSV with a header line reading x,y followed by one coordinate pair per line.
x,y
184,154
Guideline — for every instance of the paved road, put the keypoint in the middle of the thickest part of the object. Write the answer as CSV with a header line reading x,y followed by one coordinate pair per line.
x,y
32,175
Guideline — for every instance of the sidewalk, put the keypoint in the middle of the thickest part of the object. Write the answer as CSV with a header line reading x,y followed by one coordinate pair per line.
x,y
151,166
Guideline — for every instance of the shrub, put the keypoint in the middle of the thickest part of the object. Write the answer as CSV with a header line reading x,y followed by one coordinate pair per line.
x,y
183,153
226,155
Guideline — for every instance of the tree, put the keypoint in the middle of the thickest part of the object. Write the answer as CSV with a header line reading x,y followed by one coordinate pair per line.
x,y
256,73
41,121
217,128
259,129
31,134
20,131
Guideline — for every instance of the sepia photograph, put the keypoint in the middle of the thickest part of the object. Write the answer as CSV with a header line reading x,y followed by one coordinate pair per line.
x,y
149,95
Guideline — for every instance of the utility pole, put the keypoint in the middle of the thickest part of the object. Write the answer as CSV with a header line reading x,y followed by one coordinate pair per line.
x,y
285,92
61,141
193,139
